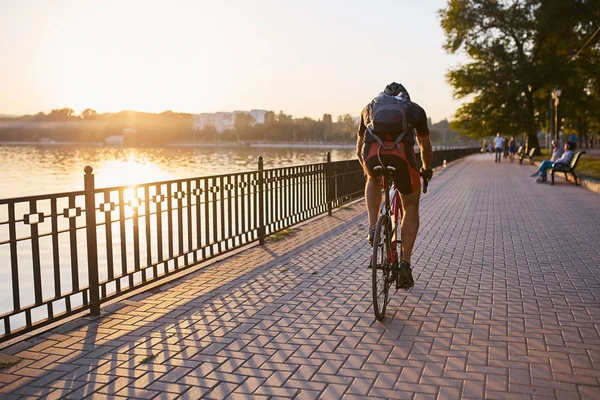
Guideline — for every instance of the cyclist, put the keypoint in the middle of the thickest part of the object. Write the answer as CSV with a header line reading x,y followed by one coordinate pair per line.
x,y
386,134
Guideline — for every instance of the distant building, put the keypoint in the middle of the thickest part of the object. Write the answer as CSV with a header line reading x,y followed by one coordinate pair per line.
x,y
224,120
258,115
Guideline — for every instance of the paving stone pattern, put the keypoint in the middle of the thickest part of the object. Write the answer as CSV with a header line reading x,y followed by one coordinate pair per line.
x,y
506,306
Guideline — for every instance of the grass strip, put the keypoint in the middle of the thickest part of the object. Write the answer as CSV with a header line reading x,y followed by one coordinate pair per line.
x,y
277,236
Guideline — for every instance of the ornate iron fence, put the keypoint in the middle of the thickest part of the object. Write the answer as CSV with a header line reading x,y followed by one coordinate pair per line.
x,y
70,252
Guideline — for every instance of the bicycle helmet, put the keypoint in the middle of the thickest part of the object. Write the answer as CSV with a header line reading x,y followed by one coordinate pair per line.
x,y
396,89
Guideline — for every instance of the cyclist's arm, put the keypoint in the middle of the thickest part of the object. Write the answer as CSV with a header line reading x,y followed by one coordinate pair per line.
x,y
423,137
424,143
360,139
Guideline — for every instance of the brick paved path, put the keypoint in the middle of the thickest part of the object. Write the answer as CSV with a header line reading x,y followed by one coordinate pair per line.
x,y
506,305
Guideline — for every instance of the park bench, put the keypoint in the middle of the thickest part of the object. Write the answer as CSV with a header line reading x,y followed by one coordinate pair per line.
x,y
525,155
567,168
520,152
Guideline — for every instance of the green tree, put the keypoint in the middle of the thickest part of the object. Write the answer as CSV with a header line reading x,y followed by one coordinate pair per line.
x,y
88,114
517,52
61,114
269,127
285,127
345,128
571,60
242,125
207,134
327,125
578,47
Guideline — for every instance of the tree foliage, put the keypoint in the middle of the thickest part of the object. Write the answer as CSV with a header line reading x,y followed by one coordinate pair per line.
x,y
88,114
242,123
61,114
517,52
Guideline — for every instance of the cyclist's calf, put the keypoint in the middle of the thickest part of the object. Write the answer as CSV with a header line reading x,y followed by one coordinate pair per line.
x,y
410,223
373,199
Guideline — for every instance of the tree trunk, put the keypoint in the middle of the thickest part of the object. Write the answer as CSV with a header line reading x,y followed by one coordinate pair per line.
x,y
582,127
531,134
532,141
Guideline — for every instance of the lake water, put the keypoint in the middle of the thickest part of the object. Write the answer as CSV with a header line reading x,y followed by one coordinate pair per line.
x,y
32,170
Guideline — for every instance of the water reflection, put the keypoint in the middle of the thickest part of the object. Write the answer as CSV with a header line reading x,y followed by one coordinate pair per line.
x,y
31,170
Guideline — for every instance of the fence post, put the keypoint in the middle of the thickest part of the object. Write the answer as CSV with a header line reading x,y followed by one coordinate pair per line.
x,y
261,202
92,243
328,183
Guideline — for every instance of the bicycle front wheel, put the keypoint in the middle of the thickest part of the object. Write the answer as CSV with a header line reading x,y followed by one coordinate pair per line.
x,y
381,266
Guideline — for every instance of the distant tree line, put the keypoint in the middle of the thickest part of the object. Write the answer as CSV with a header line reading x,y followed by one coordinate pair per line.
x,y
150,129
138,128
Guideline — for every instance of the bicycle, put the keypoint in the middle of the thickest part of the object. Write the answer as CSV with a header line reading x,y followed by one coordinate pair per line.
x,y
387,244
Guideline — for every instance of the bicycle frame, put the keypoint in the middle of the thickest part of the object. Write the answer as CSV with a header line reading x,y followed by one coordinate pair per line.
x,y
392,208
385,243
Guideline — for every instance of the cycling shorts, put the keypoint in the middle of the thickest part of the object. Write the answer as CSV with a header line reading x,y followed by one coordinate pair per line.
x,y
406,176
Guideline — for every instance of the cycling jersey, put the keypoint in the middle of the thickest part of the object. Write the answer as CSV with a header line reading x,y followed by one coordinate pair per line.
x,y
402,158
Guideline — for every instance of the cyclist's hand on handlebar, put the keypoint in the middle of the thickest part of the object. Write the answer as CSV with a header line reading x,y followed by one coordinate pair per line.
x,y
426,174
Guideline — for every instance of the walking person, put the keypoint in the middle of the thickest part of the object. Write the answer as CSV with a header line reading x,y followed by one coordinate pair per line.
x,y
498,144
512,148
573,139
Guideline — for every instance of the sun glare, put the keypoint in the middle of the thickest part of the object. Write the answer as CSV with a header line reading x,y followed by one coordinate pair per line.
x,y
130,172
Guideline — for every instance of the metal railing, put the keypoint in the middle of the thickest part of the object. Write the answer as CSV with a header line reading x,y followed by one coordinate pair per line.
x,y
70,252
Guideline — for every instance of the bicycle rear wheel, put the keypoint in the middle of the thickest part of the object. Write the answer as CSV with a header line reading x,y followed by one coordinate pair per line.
x,y
381,266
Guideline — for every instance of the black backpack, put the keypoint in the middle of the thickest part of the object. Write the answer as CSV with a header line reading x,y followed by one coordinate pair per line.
x,y
387,115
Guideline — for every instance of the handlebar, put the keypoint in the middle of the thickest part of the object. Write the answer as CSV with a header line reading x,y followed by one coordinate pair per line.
x,y
426,177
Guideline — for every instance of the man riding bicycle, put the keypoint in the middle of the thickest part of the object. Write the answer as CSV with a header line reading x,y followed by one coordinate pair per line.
x,y
386,136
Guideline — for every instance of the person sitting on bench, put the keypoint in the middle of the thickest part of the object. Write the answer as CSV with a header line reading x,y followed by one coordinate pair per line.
x,y
557,152
565,158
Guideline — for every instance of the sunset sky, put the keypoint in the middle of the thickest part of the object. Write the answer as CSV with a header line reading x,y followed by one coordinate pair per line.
x,y
304,57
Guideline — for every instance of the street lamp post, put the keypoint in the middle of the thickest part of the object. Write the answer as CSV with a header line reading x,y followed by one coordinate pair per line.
x,y
556,92
550,132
